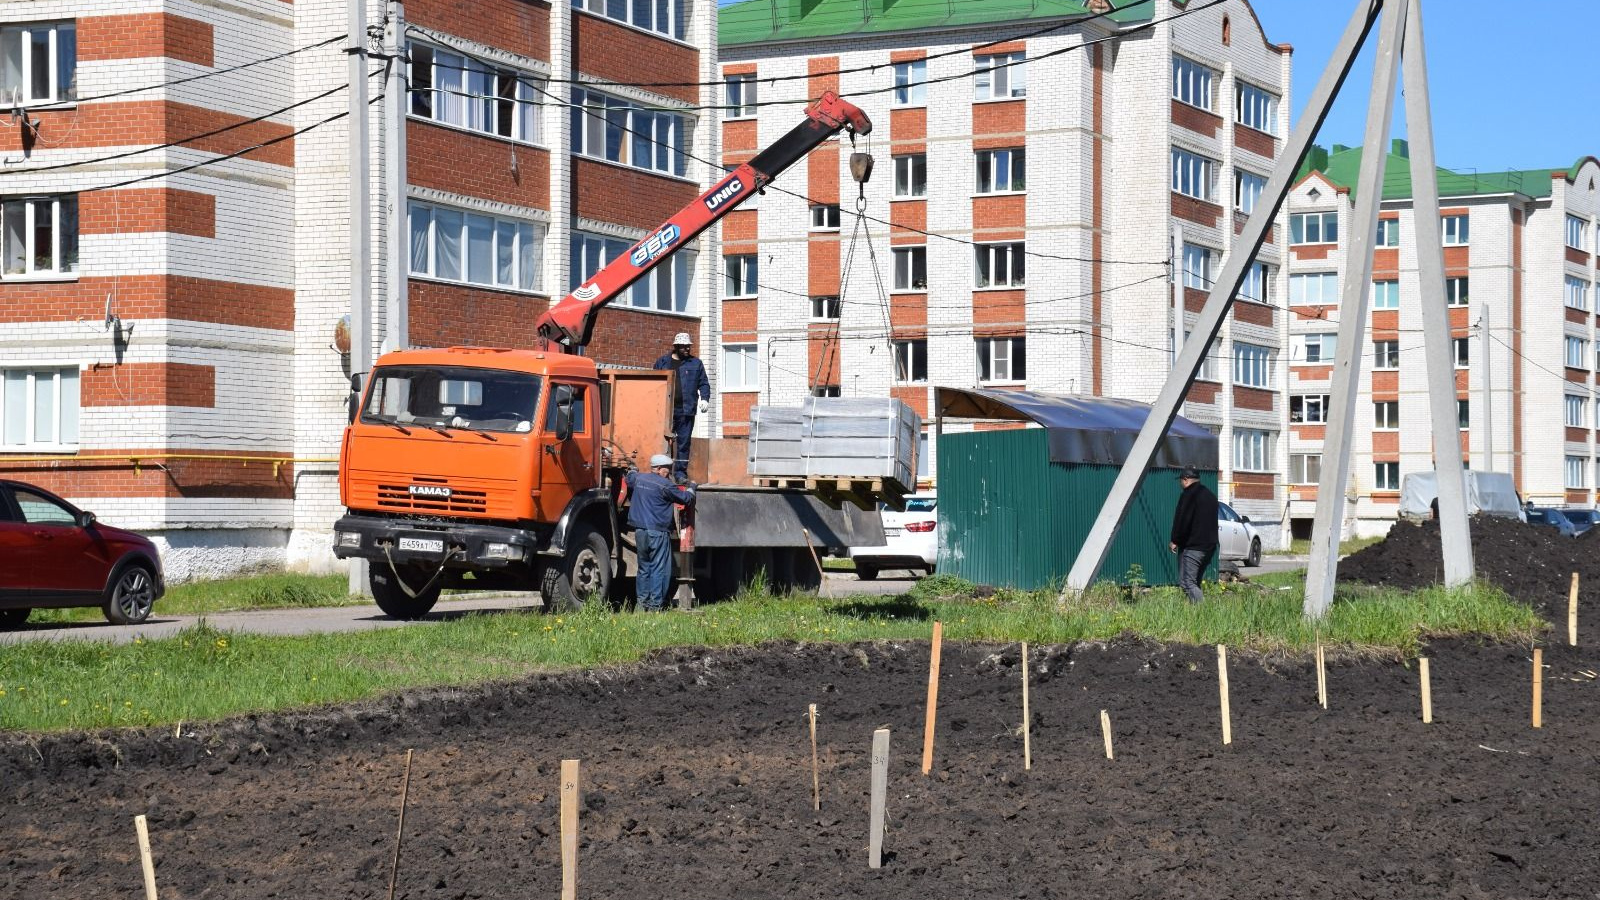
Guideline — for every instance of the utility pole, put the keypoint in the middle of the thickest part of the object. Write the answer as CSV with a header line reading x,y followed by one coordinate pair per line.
x,y
360,222
397,259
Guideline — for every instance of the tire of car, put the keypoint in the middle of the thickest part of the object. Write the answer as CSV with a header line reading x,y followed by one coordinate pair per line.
x,y
392,598
583,572
866,573
13,618
130,595
1255,553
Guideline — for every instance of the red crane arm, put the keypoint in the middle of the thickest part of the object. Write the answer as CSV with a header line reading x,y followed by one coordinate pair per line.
x,y
570,322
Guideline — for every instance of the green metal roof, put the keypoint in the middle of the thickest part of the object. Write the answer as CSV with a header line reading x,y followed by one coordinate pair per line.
x,y
757,21
1342,166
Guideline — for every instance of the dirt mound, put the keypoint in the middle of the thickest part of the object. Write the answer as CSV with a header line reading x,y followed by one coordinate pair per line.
x,y
1531,563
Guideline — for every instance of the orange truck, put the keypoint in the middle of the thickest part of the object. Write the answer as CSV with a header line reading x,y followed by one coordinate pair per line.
x,y
502,469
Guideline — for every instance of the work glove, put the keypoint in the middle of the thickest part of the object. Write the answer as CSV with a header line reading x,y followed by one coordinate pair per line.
x,y
704,405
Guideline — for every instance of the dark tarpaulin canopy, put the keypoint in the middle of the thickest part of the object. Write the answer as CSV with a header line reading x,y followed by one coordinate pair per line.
x,y
1097,430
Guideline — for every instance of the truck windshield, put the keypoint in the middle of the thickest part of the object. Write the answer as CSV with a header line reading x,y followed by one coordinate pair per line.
x,y
452,397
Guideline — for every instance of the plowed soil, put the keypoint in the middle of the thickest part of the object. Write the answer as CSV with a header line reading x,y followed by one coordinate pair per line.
x,y
696,784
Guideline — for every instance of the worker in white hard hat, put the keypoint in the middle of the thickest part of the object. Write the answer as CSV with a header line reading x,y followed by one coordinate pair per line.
x,y
691,393
651,496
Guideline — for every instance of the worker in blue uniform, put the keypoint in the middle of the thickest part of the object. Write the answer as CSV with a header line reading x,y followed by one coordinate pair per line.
x,y
651,497
691,393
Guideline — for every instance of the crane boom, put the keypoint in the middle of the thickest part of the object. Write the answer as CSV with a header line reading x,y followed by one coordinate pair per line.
x,y
569,323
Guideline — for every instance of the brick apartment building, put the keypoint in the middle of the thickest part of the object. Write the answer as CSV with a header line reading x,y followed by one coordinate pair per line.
x,y
168,347
1032,183
1519,254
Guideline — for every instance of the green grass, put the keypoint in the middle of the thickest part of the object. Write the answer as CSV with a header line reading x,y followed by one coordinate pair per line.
x,y
199,598
205,674
1302,546
834,564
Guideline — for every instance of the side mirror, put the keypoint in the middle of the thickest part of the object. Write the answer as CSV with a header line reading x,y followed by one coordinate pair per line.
x,y
563,401
353,402
1245,519
86,520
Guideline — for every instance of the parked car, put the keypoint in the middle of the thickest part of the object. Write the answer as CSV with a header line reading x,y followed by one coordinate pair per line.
x,y
911,540
1583,519
1237,539
54,555
1554,518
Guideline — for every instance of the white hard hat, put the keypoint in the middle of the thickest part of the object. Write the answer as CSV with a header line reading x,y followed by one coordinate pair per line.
x,y
659,460
682,338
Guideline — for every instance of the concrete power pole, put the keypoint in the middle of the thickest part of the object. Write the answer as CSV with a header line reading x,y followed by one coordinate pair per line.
x,y
360,223
396,308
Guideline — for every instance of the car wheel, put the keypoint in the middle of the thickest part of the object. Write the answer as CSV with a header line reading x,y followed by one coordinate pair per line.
x,y
1255,553
131,595
13,618
866,573
584,572
392,597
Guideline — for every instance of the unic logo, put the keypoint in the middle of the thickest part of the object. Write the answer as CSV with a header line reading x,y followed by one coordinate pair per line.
x,y
654,245
429,490
725,193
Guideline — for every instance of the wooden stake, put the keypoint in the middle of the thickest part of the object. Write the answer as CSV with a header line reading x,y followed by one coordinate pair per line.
x,y
1538,688
149,864
933,699
569,829
400,829
1222,687
1427,690
1105,731
1322,676
880,791
1027,743
817,561
1572,613
816,782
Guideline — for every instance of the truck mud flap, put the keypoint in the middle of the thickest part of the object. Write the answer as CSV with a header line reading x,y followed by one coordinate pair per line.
x,y
758,517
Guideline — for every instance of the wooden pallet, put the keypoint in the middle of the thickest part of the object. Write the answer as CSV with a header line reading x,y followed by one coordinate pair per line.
x,y
865,493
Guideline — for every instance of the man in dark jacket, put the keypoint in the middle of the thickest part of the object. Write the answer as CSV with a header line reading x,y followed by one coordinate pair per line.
x,y
1194,532
691,393
651,497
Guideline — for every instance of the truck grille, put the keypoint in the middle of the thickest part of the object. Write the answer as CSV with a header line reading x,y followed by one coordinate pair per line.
x,y
398,497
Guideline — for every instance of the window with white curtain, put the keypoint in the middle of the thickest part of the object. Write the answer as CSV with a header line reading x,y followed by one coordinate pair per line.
x,y
999,76
1313,348
1386,354
1456,231
742,275
1257,284
1305,468
910,175
1193,175
470,93
669,287
1388,233
1577,472
911,83
739,92
39,408
1197,266
1002,359
1208,363
1256,108
1247,188
1577,353
1575,410
741,367
1386,415
1252,365
1577,293
661,16
1191,82
452,244
1314,289
610,128
1577,229
39,63
1386,476
1252,450
39,236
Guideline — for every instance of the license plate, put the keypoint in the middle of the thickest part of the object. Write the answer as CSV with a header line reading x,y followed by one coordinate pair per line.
x,y
891,532
422,545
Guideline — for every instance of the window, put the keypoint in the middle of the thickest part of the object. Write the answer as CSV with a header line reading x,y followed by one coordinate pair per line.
x,y
1002,359
1208,363
1577,353
1257,284
1314,289
999,76
1000,265
37,509
1455,291
669,287
40,236
1193,175
1247,188
1255,108
910,361
469,93
1577,293
1305,468
1314,228
580,422
911,268
614,129
1386,476
1311,409
1461,349
1386,354
1577,472
1576,230
1455,231
1386,295
1313,348
1252,365
1252,449
662,16
1191,82
825,217
1575,408
825,308
1002,171
1197,267
1386,414
742,275
826,390
740,95
455,245
911,83
38,408
739,367
911,175
39,62
1463,414
1388,233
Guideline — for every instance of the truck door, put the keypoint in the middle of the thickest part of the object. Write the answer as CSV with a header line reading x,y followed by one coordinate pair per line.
x,y
567,467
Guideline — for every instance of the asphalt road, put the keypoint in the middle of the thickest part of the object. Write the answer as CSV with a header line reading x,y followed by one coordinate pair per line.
x,y
365,618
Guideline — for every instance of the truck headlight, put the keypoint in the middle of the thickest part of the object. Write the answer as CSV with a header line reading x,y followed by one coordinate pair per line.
x,y
348,539
502,551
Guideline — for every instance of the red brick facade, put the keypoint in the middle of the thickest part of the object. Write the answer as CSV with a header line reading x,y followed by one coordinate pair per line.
x,y
134,210
150,297
520,26
149,384
477,166
144,35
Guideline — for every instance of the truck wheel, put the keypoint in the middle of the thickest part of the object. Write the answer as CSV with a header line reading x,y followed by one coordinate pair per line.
x,y
13,618
806,576
584,572
866,573
393,599
782,576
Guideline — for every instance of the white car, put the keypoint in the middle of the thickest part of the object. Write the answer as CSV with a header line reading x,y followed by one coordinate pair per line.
x,y
1237,539
911,540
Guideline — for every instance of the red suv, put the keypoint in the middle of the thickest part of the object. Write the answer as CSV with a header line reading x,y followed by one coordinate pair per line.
x,y
53,554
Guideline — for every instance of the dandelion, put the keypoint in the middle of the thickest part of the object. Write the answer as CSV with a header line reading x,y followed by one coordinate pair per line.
x,y
64,701
2,692
127,703
222,643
